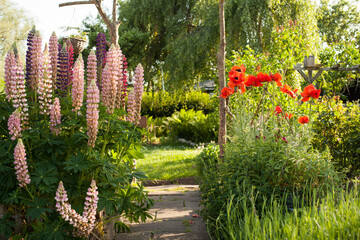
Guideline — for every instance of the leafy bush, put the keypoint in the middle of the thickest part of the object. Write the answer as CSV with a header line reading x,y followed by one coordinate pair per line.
x,y
68,158
338,128
208,158
193,125
164,104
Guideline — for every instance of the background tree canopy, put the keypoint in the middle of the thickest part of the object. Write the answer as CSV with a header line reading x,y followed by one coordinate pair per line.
x,y
14,26
177,40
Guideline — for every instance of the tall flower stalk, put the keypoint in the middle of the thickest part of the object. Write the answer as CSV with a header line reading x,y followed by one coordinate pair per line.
x,y
63,75
10,74
92,112
54,55
91,68
14,124
78,84
100,55
70,51
45,85
138,90
122,87
84,223
29,56
36,71
55,117
21,168
131,108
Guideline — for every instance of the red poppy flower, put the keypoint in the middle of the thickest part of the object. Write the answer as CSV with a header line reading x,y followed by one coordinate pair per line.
x,y
225,92
263,77
287,89
237,69
278,110
303,119
237,78
289,116
310,91
252,81
276,78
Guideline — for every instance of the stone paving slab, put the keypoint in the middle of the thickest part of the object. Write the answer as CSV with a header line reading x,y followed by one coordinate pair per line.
x,y
175,215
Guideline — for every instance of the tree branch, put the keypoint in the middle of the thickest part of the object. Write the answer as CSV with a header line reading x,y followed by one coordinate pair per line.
x,y
76,3
102,14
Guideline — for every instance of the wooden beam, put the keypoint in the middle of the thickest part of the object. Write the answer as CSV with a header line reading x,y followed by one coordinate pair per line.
x,y
76,3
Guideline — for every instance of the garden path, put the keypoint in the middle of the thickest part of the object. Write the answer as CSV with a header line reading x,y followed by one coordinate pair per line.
x,y
176,215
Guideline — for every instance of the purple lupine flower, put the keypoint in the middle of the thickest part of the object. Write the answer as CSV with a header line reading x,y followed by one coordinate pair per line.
x,y
9,76
28,55
55,117
92,112
36,70
14,124
45,84
54,54
63,76
91,68
78,84
100,55
110,77
21,168
131,108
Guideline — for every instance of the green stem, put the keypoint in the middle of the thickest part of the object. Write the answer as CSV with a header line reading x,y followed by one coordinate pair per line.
x,y
106,137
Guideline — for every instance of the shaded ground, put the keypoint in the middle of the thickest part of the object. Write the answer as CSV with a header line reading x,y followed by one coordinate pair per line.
x,y
176,215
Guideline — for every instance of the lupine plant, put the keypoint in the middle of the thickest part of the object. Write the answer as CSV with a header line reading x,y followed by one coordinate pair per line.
x,y
76,146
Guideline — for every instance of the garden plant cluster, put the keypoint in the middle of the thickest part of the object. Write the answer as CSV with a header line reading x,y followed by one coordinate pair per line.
x,y
68,141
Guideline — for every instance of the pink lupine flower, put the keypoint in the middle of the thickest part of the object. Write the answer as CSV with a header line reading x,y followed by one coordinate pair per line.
x,y
91,68
131,108
70,51
91,206
21,168
36,61
85,223
18,91
45,84
54,54
10,62
138,90
92,112
122,86
55,117
110,78
14,124
78,85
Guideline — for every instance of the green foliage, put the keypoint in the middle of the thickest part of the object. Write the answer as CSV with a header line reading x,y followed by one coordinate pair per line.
x,y
207,160
69,159
338,129
335,216
344,54
193,126
164,104
339,21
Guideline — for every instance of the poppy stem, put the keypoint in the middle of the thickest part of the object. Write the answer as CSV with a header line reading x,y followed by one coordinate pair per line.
x,y
257,109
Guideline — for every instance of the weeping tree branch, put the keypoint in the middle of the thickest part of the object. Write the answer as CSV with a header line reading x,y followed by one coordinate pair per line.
x,y
113,26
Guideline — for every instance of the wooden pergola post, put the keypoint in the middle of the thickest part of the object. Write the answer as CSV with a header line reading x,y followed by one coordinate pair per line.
x,y
222,82
113,25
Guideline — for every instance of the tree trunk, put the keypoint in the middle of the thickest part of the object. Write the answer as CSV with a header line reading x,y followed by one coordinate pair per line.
x,y
222,82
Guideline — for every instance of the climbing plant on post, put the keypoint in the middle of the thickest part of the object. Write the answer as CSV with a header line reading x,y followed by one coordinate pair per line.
x,y
112,25
221,74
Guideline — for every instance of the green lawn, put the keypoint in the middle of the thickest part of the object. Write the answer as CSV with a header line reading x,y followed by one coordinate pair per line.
x,y
167,162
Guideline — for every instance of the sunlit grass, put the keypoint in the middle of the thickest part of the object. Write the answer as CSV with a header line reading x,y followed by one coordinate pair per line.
x,y
168,162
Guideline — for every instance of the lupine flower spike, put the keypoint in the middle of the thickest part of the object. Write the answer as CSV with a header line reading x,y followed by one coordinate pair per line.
x,y
21,168
54,54
10,75
91,68
92,112
36,62
78,85
29,56
55,117
138,89
14,124
131,109
45,85
63,76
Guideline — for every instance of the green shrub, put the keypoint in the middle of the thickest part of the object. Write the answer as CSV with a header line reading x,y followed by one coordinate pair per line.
x,y
193,125
338,128
164,104
208,158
